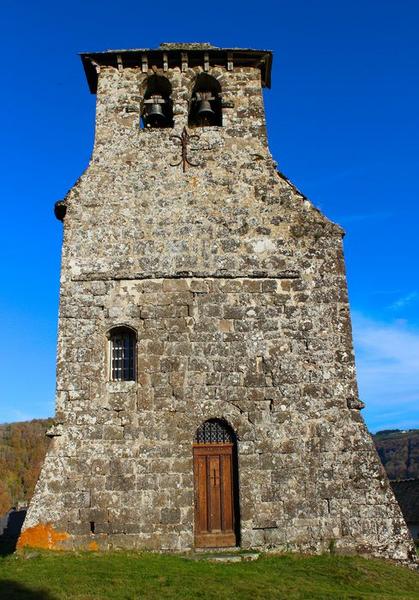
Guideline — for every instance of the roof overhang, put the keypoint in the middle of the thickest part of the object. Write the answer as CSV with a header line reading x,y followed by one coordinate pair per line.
x,y
175,55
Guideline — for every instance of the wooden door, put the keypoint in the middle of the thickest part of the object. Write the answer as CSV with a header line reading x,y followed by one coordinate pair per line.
x,y
214,501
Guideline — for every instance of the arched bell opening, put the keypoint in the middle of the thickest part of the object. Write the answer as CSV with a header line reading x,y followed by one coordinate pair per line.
x,y
205,106
157,109
216,486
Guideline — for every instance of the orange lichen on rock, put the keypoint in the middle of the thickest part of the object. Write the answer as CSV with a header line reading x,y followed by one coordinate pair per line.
x,y
41,536
93,546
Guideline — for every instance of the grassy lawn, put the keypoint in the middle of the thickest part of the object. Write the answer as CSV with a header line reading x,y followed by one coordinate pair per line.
x,y
129,576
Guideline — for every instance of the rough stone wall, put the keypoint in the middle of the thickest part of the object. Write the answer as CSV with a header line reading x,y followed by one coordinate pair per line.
x,y
236,287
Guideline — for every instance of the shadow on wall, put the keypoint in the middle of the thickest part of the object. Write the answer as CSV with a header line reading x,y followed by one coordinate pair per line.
x,y
10,527
10,590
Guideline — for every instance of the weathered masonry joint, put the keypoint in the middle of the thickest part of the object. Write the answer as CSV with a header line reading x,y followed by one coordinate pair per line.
x,y
206,389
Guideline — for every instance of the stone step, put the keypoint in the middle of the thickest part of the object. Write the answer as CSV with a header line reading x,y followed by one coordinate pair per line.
x,y
224,557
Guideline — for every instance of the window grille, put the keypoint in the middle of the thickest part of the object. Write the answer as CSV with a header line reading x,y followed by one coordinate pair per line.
x,y
122,355
214,432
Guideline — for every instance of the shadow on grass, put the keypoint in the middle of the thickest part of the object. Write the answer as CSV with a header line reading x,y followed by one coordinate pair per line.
x,y
10,590
10,531
7,546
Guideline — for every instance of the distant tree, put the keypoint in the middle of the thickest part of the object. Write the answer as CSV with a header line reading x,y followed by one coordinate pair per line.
x,y
22,451
399,453
387,432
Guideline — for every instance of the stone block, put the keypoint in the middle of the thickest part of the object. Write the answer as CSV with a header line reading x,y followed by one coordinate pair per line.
x,y
170,516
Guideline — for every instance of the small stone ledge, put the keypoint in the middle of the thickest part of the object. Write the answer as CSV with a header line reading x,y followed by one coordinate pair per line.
x,y
115,387
355,403
225,557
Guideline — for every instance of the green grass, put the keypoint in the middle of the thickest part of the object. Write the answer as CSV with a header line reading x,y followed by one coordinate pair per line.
x,y
129,576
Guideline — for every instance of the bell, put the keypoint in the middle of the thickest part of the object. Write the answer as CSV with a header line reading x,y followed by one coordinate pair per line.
x,y
204,109
155,114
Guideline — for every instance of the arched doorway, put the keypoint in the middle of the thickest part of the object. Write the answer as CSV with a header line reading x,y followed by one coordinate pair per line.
x,y
216,485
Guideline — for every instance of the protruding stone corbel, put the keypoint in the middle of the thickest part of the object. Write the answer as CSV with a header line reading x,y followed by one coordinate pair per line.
x,y
60,209
165,61
184,60
55,430
355,403
230,64
96,66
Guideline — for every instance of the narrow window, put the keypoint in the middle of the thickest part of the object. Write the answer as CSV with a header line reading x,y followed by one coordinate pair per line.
x,y
122,342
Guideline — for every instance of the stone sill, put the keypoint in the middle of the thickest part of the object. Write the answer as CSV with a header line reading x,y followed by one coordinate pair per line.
x,y
115,387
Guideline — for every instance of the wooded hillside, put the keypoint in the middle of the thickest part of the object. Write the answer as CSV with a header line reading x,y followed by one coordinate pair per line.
x,y
23,446
399,452
22,450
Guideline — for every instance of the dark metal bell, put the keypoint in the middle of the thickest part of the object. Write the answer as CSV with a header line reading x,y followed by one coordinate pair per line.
x,y
204,109
155,113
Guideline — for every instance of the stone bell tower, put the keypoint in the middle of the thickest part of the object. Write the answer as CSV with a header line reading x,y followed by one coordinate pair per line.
x,y
206,391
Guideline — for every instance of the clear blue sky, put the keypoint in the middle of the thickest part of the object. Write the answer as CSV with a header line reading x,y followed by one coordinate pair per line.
x,y
343,121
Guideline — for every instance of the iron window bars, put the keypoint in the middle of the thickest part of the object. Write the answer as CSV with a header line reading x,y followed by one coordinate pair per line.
x,y
122,355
